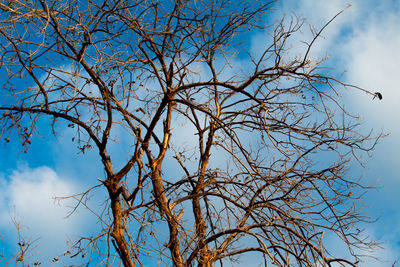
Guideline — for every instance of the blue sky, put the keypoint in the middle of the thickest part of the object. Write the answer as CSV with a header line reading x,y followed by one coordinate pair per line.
x,y
363,43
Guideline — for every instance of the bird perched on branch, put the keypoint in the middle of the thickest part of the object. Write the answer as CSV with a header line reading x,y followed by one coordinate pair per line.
x,y
378,95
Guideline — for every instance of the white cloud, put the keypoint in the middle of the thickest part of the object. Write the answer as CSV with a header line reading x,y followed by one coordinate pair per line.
x,y
364,41
28,195
314,15
366,44
373,56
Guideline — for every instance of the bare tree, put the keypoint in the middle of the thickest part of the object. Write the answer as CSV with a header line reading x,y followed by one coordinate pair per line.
x,y
26,248
228,152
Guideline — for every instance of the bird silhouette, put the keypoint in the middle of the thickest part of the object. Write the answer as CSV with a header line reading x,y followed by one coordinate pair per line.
x,y
378,95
